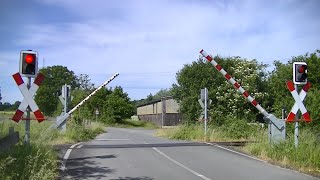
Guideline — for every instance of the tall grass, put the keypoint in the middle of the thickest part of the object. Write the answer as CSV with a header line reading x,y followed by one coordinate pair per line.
x,y
228,132
39,159
305,158
29,162
78,132
128,123
191,132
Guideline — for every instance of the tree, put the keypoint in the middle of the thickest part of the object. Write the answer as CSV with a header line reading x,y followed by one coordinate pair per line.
x,y
15,105
47,95
225,100
5,106
150,97
0,96
98,100
113,104
162,93
117,106
281,96
84,82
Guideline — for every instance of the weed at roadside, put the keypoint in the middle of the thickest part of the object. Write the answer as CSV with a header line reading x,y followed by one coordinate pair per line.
x,y
134,124
28,162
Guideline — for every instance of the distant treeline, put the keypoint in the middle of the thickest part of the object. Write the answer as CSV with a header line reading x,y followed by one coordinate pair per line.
x,y
9,107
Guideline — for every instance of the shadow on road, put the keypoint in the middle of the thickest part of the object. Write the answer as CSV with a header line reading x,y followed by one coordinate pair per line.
x,y
93,157
133,178
234,143
139,145
81,168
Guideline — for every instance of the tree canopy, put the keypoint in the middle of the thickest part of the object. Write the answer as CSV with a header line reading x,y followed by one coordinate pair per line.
x,y
269,88
113,104
48,93
225,101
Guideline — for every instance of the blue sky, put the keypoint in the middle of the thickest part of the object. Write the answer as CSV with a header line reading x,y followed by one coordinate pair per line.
x,y
148,41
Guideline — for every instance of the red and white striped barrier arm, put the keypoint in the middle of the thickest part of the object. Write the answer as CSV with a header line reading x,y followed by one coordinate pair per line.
x,y
61,119
298,102
28,97
235,84
89,96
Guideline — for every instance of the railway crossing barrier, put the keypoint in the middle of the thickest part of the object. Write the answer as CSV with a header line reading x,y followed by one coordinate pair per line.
x,y
277,127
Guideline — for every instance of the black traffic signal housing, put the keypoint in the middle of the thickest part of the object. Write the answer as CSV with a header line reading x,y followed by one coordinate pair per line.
x,y
300,70
28,63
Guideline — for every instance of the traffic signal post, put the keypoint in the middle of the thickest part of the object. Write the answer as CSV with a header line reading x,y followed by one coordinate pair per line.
x,y
204,103
28,67
27,127
300,70
65,98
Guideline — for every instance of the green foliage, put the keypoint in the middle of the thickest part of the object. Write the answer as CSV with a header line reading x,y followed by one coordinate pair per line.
x,y
113,105
162,93
117,106
9,107
127,123
230,112
0,96
40,160
29,162
312,102
191,132
84,82
150,98
281,96
305,157
47,95
238,128
79,132
232,129
225,99
269,89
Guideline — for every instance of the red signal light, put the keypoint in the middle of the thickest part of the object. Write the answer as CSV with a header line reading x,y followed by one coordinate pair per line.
x,y
29,58
302,69
28,64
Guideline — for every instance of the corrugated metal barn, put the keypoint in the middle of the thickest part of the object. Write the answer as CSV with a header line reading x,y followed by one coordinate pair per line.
x,y
163,112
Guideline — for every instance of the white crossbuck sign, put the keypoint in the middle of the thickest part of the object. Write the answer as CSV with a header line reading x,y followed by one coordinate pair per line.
x,y
298,102
28,97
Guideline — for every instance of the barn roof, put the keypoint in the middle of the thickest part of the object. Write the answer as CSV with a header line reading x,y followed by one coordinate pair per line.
x,y
155,101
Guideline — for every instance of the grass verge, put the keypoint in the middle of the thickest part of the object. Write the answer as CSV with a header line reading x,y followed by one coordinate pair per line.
x,y
305,158
39,159
128,123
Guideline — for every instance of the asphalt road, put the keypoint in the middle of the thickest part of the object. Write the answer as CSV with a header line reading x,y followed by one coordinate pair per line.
x,y
132,154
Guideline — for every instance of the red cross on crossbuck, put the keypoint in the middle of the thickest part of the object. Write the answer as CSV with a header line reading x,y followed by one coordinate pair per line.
x,y
28,97
298,102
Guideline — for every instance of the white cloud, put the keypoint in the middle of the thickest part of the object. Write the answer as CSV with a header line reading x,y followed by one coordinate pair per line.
x,y
160,36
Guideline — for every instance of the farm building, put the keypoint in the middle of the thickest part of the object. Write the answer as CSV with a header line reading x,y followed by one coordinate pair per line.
x,y
163,112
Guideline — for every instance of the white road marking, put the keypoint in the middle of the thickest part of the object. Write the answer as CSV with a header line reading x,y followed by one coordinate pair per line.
x,y
236,152
66,156
181,165
277,166
80,146
111,139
